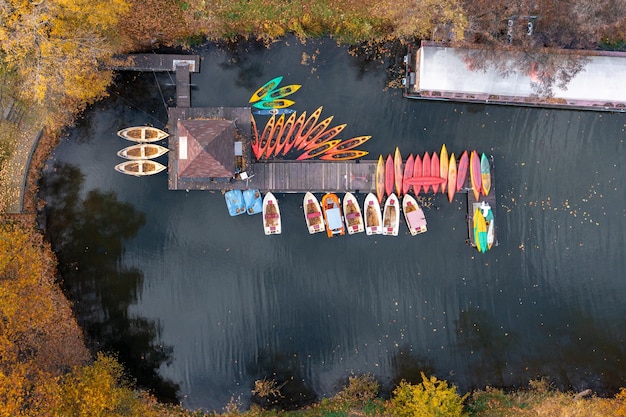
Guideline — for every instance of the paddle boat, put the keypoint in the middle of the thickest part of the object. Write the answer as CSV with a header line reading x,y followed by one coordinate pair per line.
x,y
352,213
235,202
414,215
391,216
313,214
253,201
373,217
271,215
331,206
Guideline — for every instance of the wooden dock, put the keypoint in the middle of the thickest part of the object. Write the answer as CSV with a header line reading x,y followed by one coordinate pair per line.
x,y
156,62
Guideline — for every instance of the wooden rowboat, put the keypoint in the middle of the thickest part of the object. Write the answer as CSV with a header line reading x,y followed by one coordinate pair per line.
x,y
444,161
142,134
408,173
313,214
485,174
397,171
417,172
391,216
413,214
389,170
434,170
352,214
380,179
373,217
331,155
142,151
274,104
462,171
140,167
451,177
475,174
331,206
271,215
265,89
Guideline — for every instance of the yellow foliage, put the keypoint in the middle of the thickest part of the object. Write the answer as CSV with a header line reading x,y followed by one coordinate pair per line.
x,y
431,398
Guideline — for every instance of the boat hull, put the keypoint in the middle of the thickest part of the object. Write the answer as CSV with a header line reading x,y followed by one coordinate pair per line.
x,y
389,174
343,156
414,215
331,207
271,215
313,214
444,162
142,134
398,171
391,216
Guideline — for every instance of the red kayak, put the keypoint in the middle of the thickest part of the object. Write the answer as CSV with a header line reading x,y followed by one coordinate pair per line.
x,y
426,169
425,181
461,172
475,174
389,175
434,169
417,172
291,139
408,173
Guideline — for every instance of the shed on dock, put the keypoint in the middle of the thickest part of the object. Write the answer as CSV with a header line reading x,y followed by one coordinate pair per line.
x,y
439,72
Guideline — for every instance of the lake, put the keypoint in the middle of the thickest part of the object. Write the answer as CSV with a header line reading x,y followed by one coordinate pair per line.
x,y
198,305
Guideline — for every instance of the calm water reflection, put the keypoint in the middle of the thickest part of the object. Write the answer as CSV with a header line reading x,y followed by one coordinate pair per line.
x,y
200,305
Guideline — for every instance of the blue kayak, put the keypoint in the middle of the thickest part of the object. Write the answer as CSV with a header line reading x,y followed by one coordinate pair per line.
x,y
235,202
253,201
269,112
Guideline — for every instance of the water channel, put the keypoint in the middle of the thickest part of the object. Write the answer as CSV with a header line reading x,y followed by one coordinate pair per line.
x,y
199,305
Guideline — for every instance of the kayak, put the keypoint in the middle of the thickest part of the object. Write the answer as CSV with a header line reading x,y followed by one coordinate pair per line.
x,y
397,171
444,161
426,170
451,177
461,173
389,169
380,179
269,112
312,153
417,172
485,174
303,133
325,136
316,130
275,104
475,174
350,144
408,173
265,89
291,139
434,169
331,155
281,92
285,133
424,181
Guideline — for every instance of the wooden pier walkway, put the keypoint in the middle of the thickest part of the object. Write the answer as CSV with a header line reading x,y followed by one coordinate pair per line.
x,y
156,62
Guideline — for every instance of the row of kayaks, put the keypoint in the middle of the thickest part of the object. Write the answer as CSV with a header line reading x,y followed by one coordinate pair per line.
x,y
436,172
140,156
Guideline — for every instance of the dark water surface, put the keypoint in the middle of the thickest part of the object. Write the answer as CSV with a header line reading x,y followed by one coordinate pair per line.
x,y
199,305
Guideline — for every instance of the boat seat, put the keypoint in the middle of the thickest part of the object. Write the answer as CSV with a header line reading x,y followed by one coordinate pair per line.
x,y
313,215
271,216
351,216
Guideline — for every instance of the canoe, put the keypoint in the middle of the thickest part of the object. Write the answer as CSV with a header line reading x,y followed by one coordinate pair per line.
x,y
281,92
267,133
451,177
408,173
312,153
269,112
325,136
140,167
273,139
313,214
352,214
426,170
316,130
397,171
254,142
142,151
274,104
444,161
380,179
480,231
373,217
417,172
485,174
391,216
306,127
487,213
285,133
413,215
291,139
142,134
350,144
343,156
265,89
253,201
235,202
425,182
331,206
434,170
461,173
389,170
271,215
475,174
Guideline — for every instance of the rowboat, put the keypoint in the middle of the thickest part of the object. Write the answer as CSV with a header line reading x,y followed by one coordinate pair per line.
x,y
434,170
267,133
373,217
325,136
397,171
291,139
313,214
380,179
269,112
408,173
235,202
331,206
451,177
487,213
316,130
389,170
306,127
475,174
425,182
417,172
285,133
274,104
350,144
480,231
413,215
271,215
140,167
312,153
274,136
462,171
352,213
253,201
265,89
391,216
485,174
281,92
426,170
444,161
142,151
142,134
343,156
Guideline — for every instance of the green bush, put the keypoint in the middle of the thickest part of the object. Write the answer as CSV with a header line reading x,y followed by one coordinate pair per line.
x,y
430,398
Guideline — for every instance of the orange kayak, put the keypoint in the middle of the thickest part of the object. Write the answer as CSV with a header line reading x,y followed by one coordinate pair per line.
x,y
331,155
389,169
286,132
268,131
325,136
273,140
475,174
291,139
350,144
380,179
303,133
397,171
451,177
312,153
316,130
444,161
